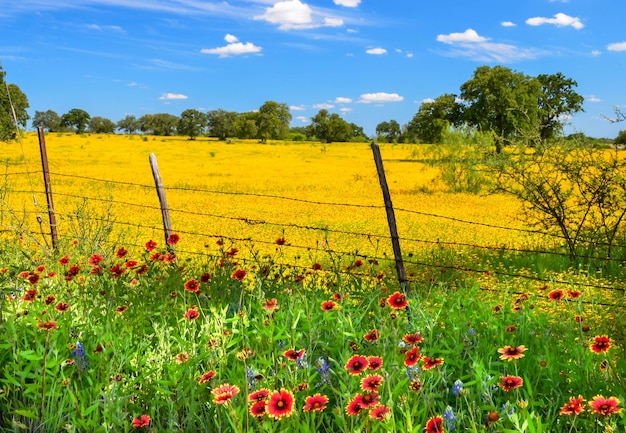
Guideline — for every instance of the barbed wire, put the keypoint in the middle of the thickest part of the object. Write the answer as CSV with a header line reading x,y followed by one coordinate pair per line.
x,y
353,205
328,230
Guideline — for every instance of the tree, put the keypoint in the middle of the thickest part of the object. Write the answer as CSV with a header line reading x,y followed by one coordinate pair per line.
x,y
503,101
273,121
434,118
48,120
158,124
221,124
76,119
101,125
246,125
13,105
388,131
558,100
357,132
570,190
191,123
621,138
331,128
129,124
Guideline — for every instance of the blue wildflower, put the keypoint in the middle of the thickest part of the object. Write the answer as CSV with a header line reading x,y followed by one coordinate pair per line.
x,y
412,373
323,369
80,356
450,419
457,388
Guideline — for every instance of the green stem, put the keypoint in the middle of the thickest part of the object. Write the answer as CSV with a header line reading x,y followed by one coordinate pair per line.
x,y
43,376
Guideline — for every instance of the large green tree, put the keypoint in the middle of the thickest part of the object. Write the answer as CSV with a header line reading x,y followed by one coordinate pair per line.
x,y
433,119
191,123
273,121
246,125
330,127
101,125
558,100
388,131
129,124
221,124
76,119
48,120
503,101
13,105
158,124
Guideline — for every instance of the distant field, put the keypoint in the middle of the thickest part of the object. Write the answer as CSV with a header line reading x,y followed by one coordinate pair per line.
x,y
313,174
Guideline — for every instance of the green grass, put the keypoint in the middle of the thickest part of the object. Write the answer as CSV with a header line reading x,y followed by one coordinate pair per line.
x,y
132,330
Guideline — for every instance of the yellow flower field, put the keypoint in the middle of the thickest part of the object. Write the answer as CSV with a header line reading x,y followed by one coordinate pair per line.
x,y
248,190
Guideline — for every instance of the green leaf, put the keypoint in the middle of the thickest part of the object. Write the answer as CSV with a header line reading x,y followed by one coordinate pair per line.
x,y
26,413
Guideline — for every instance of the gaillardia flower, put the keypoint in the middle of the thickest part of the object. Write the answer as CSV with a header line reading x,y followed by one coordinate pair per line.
x,y
508,383
574,406
605,406
280,404
356,365
509,353
315,403
600,344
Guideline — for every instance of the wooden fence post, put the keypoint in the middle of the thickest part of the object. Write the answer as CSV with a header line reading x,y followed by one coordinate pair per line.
x,y
165,211
391,218
48,187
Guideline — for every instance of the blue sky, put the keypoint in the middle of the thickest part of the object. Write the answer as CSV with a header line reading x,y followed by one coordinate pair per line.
x,y
368,60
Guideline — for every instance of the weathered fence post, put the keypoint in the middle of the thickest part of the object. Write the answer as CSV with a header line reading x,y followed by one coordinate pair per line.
x,y
165,211
48,186
391,218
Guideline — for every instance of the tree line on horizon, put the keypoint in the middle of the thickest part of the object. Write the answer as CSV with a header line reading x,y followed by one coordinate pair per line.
x,y
508,105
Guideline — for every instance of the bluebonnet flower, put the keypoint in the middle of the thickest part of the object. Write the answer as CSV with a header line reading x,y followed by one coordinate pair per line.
x,y
412,372
323,369
281,344
457,387
301,362
81,358
508,408
251,377
450,419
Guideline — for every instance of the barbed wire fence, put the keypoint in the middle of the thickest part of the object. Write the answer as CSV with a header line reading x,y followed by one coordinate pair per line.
x,y
20,222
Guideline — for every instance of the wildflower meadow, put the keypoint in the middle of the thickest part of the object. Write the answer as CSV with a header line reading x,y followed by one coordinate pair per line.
x,y
197,332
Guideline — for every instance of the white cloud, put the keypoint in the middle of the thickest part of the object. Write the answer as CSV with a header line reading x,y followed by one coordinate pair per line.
x,y
592,98
132,84
345,110
559,20
508,24
303,119
478,48
469,35
347,3
296,15
291,14
596,52
342,100
114,29
172,96
368,98
427,101
231,39
234,48
297,107
619,46
376,51
324,106
333,22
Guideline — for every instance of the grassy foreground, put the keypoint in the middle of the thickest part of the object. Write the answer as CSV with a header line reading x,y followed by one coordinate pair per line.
x,y
134,341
